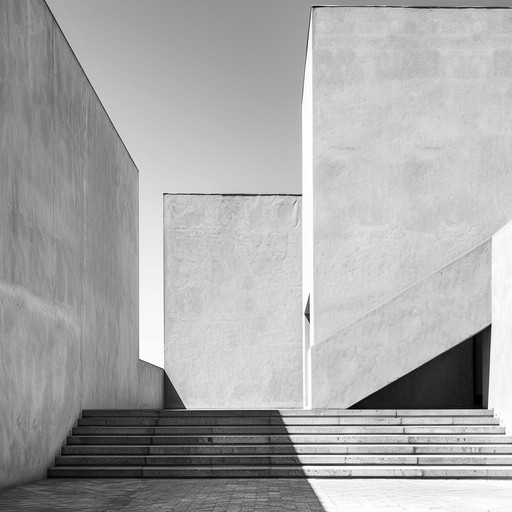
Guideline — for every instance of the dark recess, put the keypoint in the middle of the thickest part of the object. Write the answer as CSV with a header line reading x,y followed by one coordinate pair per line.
x,y
458,378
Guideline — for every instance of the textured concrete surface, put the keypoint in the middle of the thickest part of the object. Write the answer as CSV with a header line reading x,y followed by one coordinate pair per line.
x,y
274,495
233,313
411,148
68,250
500,374
430,317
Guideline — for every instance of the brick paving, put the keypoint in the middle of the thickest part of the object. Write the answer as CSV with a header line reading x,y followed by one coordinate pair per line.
x,y
251,495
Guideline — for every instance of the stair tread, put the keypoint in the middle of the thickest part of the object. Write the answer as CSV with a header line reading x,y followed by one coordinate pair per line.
x,y
287,412
279,466
476,445
259,455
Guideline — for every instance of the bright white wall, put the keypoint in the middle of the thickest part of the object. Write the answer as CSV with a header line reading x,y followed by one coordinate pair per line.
x,y
500,375
307,218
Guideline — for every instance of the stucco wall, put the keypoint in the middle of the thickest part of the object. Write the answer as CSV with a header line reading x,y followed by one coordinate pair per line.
x,y
500,374
411,147
432,316
233,322
68,249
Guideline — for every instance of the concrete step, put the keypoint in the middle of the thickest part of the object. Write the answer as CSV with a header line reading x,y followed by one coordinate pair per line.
x,y
282,412
257,460
445,412
292,443
312,430
449,420
287,439
287,449
282,471
119,421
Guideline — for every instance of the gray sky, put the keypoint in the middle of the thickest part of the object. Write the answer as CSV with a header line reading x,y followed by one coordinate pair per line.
x,y
206,95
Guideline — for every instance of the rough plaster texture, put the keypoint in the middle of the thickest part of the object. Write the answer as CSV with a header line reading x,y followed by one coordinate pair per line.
x,y
411,147
500,374
68,249
432,316
233,321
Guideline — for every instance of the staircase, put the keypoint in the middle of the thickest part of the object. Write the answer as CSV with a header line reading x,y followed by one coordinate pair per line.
x,y
326,443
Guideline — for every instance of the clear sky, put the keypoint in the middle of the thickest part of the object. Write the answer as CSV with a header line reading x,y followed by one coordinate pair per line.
x,y
206,95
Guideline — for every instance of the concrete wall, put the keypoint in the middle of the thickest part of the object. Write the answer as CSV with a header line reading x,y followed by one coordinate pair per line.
x,y
233,304
411,148
150,386
68,249
427,319
500,376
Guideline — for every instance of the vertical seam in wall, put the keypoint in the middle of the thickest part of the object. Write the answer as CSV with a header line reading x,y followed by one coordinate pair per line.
x,y
164,268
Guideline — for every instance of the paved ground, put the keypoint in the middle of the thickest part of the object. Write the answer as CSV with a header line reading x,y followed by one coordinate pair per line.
x,y
260,495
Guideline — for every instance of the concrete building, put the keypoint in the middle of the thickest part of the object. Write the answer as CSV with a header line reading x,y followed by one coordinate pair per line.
x,y
405,264
406,179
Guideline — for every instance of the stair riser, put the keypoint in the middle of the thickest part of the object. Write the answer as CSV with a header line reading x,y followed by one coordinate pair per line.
x,y
234,440
329,460
317,430
283,472
288,413
300,421
404,449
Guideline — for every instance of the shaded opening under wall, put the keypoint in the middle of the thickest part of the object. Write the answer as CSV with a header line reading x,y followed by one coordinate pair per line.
x,y
458,378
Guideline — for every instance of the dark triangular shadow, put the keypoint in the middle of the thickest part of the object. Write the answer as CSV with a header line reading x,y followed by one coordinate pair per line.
x,y
172,399
456,379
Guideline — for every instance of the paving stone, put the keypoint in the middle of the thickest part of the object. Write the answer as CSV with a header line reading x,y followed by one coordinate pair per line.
x,y
269,495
